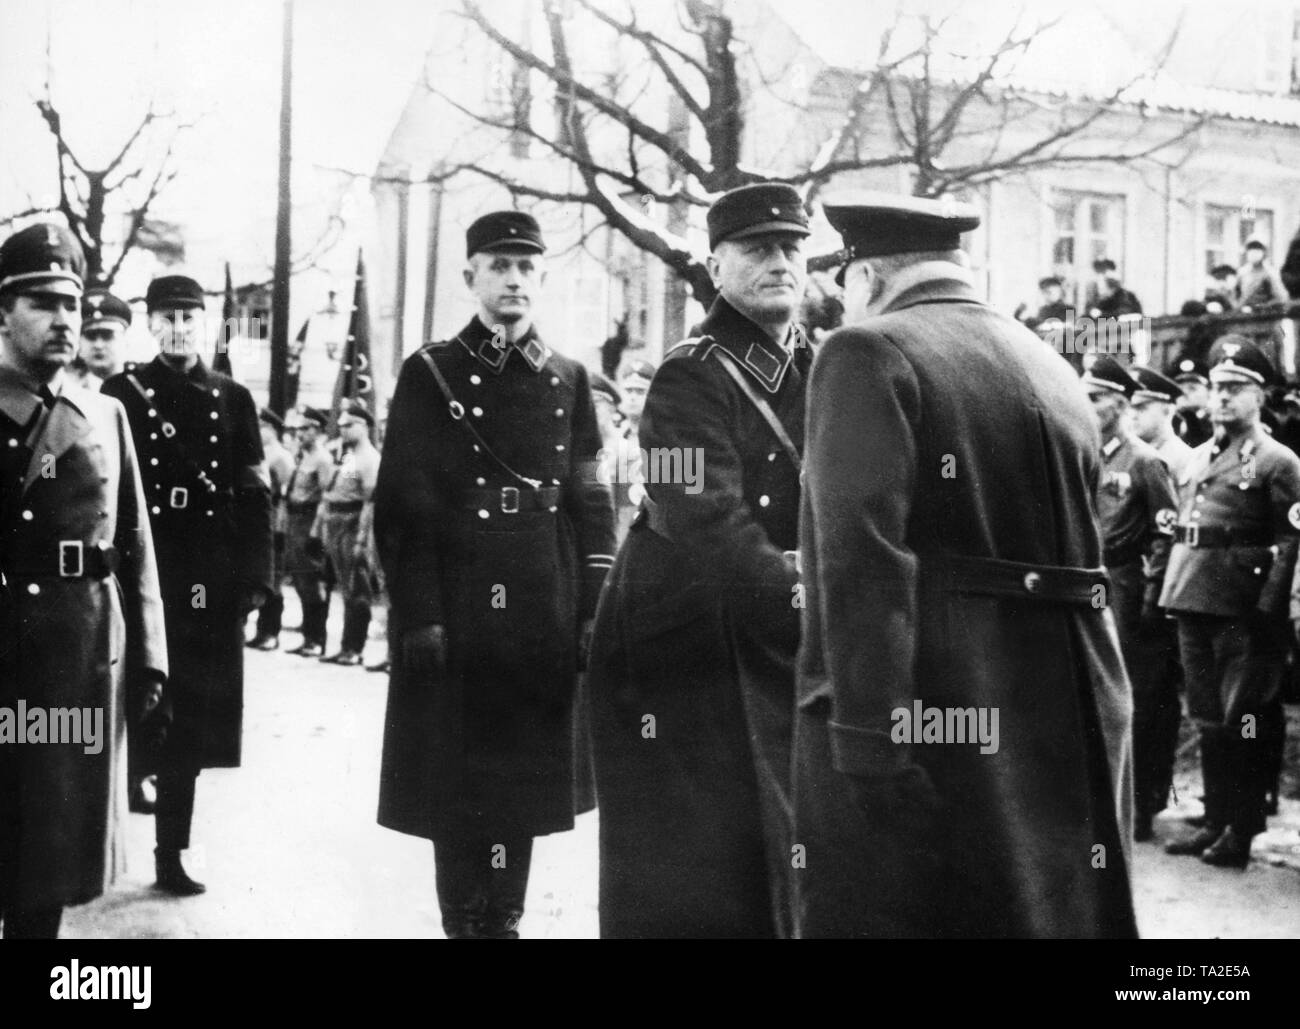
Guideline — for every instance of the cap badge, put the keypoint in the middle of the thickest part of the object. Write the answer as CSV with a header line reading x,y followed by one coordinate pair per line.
x,y
1230,349
1187,366
1293,516
776,212
1166,518
51,236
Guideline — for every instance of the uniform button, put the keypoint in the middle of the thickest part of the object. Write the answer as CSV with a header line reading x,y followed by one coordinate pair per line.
x,y
1256,571
216,392
153,460
157,485
772,456
555,380
559,448
482,512
552,509
13,443
555,482
27,516
480,482
1196,514
209,514
33,589
213,416
559,412
477,448
212,439
477,412
1032,582
764,500
215,463
148,393
1243,485
153,435
153,413
475,380
155,510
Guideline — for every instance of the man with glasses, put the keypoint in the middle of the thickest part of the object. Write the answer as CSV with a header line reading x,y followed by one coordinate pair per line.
x,y
1228,584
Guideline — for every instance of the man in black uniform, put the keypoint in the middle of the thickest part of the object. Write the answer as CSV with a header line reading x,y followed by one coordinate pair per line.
x,y
199,446
1137,510
1229,578
1194,407
494,536
692,673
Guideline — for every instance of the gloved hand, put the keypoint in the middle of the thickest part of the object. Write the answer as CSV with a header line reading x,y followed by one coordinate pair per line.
x,y
1152,616
152,714
424,651
907,797
585,633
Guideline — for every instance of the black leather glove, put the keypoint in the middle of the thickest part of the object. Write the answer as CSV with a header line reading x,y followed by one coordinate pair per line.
x,y
424,651
152,713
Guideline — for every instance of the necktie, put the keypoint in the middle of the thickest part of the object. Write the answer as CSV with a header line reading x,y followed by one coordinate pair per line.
x,y
47,397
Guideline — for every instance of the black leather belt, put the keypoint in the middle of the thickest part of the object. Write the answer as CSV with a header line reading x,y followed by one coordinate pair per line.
x,y
1113,557
300,506
1222,536
70,559
511,499
343,506
1056,584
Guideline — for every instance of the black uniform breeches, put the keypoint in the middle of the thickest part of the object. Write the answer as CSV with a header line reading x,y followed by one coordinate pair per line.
x,y
1233,669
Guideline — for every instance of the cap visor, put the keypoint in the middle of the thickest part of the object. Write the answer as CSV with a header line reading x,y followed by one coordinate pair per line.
x,y
59,285
768,228
511,243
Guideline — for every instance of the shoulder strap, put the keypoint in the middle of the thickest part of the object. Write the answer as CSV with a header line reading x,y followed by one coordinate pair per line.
x,y
169,433
764,408
457,412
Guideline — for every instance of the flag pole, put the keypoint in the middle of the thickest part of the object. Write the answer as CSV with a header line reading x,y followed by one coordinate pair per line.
x,y
278,388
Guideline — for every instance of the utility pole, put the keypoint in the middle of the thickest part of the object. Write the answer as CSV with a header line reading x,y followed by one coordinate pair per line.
x,y
280,286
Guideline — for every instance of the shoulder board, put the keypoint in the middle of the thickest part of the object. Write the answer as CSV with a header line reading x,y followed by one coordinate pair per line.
x,y
438,344
695,346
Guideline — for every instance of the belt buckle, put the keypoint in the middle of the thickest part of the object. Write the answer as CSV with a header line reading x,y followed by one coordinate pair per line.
x,y
1193,534
180,497
509,499
67,547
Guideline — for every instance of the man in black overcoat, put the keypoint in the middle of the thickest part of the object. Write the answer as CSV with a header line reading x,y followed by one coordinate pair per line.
x,y
495,536
693,663
200,448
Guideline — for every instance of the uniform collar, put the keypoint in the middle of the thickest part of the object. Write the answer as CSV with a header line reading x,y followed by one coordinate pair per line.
x,y
1113,444
19,400
478,339
928,282
759,354
198,374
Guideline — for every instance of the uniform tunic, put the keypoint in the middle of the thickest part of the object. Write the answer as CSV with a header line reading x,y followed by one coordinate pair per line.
x,y
1229,580
1136,506
196,434
943,436
338,517
70,641
510,571
698,628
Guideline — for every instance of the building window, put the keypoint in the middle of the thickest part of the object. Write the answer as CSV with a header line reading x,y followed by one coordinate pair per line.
x,y
1087,227
1227,230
